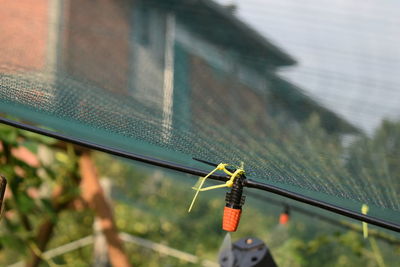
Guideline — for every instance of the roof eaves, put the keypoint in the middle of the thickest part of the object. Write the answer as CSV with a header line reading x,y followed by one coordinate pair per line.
x,y
285,58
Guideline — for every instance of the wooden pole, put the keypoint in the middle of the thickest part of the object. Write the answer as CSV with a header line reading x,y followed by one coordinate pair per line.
x,y
93,194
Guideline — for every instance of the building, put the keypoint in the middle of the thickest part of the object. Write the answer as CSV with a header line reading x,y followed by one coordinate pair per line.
x,y
184,60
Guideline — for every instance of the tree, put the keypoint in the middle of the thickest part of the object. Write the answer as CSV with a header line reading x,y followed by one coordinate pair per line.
x,y
377,158
44,178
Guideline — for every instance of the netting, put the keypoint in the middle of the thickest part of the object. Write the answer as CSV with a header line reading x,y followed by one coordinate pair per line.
x,y
307,103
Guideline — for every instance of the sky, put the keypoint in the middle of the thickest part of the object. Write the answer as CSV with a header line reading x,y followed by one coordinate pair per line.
x,y
348,52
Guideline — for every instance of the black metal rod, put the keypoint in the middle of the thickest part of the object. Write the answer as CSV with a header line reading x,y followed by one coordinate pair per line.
x,y
335,222
181,168
112,151
323,205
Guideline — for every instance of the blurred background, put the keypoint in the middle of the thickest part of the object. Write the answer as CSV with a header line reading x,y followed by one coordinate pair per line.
x,y
347,52
305,93
52,204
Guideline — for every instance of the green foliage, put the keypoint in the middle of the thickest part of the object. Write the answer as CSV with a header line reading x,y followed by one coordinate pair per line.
x,y
153,204
30,184
378,159
161,203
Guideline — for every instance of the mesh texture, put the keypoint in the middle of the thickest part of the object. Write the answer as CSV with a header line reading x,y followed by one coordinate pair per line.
x,y
182,79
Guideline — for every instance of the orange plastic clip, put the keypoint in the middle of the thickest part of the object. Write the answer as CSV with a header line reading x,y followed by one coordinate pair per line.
x,y
231,219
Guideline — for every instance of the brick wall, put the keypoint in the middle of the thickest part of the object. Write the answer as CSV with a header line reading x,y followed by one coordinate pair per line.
x,y
96,42
23,34
217,93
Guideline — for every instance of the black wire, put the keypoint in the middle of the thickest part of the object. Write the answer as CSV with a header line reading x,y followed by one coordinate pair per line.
x,y
335,222
112,151
323,205
185,169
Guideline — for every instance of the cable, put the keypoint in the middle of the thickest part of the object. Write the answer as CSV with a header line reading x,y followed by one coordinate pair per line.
x,y
338,223
112,151
189,170
323,205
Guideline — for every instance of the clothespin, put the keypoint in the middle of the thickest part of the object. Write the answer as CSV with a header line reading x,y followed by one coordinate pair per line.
x,y
234,199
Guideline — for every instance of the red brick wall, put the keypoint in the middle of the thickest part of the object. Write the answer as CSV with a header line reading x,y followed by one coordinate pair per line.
x,y
218,93
209,92
96,42
23,33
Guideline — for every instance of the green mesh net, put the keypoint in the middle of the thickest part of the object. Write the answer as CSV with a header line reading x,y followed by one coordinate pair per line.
x,y
181,79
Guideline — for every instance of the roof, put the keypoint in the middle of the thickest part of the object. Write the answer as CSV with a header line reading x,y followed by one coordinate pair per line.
x,y
302,106
202,16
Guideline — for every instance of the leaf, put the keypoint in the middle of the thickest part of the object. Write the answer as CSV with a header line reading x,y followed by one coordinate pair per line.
x,y
59,260
31,146
25,203
8,136
49,209
62,157
38,137
12,241
7,171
